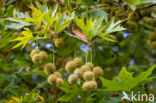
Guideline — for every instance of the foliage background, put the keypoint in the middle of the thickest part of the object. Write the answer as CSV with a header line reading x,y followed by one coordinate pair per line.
x,y
19,76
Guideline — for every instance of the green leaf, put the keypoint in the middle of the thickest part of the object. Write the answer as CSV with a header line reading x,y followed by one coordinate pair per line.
x,y
134,3
27,35
17,23
68,4
126,81
67,97
111,27
62,21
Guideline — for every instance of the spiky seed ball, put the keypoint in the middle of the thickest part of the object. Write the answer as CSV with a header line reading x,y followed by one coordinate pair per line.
x,y
52,79
88,76
98,71
72,79
37,59
59,82
105,1
58,74
77,72
44,55
133,16
38,28
147,20
152,36
15,34
58,42
90,64
93,84
85,68
77,62
132,25
145,12
69,67
153,45
34,51
49,68
86,86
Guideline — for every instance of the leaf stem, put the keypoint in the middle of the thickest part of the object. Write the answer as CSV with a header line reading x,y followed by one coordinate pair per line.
x,y
87,54
53,52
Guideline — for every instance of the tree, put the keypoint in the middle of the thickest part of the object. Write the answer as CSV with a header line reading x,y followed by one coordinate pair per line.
x,y
76,50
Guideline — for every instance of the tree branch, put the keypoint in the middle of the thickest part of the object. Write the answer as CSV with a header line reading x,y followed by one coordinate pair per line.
x,y
76,37
146,6
11,2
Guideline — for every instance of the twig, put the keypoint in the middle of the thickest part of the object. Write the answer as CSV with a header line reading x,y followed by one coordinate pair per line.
x,y
11,2
75,37
146,6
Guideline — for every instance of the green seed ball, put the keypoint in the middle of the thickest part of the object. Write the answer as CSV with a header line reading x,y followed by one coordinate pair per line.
x,y
132,25
90,64
33,52
58,42
105,1
52,79
98,71
88,76
72,79
58,74
153,45
49,68
59,82
37,59
133,16
152,36
77,62
77,72
44,55
69,67
93,84
86,86
147,20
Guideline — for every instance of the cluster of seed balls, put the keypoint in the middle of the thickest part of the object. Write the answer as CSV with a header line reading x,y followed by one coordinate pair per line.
x,y
39,57
87,72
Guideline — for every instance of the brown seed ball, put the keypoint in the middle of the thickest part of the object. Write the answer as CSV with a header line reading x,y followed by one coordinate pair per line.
x,y
44,55
98,71
153,45
77,62
58,42
86,86
77,72
15,34
59,82
38,28
37,59
90,64
69,67
93,84
88,75
33,52
58,74
72,79
52,79
49,68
